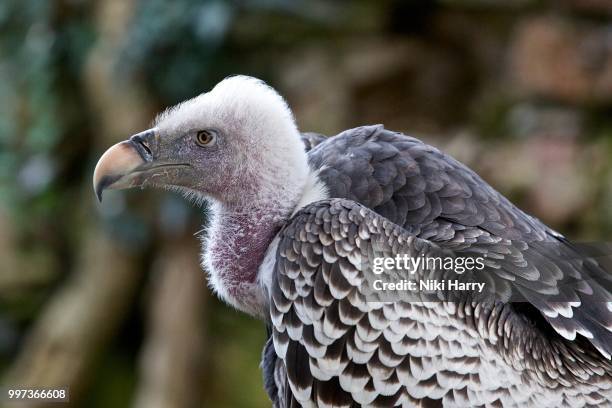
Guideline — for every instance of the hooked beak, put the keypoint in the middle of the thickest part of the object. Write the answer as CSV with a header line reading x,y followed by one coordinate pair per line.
x,y
119,165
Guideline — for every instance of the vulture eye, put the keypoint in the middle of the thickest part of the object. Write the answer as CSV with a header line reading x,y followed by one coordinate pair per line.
x,y
205,138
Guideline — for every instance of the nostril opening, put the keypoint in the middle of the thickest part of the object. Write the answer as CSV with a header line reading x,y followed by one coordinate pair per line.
x,y
145,146
142,143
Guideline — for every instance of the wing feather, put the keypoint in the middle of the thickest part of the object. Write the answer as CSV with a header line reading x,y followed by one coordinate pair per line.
x,y
340,347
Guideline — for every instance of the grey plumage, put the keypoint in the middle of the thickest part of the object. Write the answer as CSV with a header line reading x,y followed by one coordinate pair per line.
x,y
332,348
292,233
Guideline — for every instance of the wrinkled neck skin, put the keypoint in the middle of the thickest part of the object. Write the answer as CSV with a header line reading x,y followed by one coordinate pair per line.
x,y
239,236
235,246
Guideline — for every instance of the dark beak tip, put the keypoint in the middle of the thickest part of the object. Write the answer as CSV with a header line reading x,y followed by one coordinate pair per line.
x,y
121,160
103,184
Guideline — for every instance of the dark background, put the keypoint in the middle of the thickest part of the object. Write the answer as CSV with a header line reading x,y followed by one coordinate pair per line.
x,y
109,299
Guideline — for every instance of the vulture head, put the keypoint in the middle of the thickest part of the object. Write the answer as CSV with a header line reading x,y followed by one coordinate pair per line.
x,y
237,147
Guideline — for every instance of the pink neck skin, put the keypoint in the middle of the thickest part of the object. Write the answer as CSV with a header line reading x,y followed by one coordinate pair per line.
x,y
238,243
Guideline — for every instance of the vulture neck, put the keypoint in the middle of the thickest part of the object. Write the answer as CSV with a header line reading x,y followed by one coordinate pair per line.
x,y
237,242
242,231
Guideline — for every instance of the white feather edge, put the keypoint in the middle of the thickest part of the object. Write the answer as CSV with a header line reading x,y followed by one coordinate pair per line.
x,y
314,190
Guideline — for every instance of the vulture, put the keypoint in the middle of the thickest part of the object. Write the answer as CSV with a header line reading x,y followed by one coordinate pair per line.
x,y
297,223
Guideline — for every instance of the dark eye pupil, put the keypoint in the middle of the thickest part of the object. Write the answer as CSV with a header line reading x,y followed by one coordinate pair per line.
x,y
204,137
